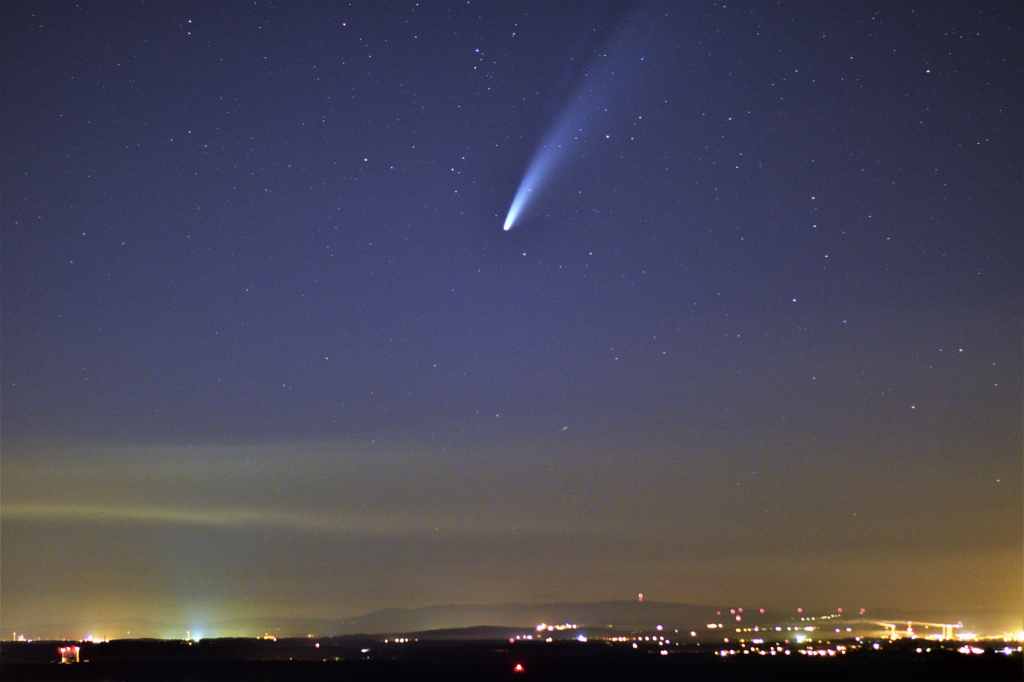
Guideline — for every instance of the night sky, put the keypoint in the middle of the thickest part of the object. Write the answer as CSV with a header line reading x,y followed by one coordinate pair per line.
x,y
754,337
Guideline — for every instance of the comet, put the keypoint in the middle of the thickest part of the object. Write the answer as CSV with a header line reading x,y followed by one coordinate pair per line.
x,y
587,107
554,151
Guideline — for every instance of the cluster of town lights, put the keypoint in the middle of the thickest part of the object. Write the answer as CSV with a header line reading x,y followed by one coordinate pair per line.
x,y
70,653
557,628
771,652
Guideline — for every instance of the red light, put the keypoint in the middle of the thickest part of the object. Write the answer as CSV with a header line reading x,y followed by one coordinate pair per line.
x,y
762,610
799,610
840,610
519,668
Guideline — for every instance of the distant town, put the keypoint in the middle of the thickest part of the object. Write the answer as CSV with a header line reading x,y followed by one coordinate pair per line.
x,y
736,633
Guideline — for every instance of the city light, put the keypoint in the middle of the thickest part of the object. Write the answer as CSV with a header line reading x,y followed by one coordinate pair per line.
x,y
541,627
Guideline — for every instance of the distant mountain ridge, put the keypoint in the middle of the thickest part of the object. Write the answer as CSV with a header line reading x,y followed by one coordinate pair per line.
x,y
620,615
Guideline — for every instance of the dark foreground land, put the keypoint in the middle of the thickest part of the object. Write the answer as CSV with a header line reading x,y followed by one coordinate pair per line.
x,y
352,658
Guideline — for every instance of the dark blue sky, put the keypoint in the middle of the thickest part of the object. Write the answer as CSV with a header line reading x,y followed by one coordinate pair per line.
x,y
756,336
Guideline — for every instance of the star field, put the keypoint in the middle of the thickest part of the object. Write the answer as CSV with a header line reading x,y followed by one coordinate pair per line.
x,y
756,334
